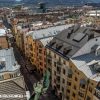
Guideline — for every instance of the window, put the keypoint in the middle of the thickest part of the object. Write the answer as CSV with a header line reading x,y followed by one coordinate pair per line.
x,y
82,83
44,52
63,80
59,59
73,94
11,76
49,61
58,69
55,81
54,72
67,97
90,89
1,77
88,98
62,89
40,57
68,90
40,46
82,86
64,62
41,63
70,73
64,71
58,78
81,94
30,46
55,64
69,83
75,78
58,86
40,51
75,87
54,55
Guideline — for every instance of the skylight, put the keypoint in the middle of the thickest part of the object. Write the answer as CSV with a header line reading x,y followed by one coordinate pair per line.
x,y
79,37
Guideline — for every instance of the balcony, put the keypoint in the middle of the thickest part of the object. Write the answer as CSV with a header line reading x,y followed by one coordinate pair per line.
x,y
49,56
49,61
59,63
97,93
58,70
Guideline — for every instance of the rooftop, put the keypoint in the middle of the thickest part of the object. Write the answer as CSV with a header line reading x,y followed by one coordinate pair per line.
x,y
70,40
48,32
45,41
86,63
7,60
2,32
13,86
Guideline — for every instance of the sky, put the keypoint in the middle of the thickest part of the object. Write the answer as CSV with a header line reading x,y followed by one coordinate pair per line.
x,y
18,0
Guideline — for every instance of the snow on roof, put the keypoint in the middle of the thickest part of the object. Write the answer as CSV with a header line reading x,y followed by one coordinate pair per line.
x,y
84,62
8,59
48,32
2,32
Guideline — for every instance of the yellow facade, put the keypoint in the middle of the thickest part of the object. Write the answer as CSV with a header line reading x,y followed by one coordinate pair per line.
x,y
36,54
68,80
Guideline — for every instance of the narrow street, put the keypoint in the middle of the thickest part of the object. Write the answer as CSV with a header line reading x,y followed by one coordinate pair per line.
x,y
30,78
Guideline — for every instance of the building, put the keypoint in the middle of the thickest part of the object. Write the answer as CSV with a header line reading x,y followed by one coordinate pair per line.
x,y
93,13
35,45
86,72
60,50
3,39
11,80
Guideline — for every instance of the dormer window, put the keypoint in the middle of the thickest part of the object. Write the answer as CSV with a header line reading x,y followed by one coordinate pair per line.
x,y
97,51
95,67
59,46
93,49
52,43
67,50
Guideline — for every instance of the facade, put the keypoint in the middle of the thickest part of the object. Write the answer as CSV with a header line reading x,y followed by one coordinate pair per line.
x,y
20,38
35,45
65,79
3,39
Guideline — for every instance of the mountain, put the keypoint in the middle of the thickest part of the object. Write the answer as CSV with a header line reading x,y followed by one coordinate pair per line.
x,y
55,2
49,2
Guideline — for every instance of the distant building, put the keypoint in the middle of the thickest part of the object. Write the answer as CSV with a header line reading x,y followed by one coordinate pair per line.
x,y
41,8
93,13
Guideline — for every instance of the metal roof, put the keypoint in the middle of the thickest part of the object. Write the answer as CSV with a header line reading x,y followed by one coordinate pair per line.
x,y
8,58
2,32
66,38
12,87
48,32
84,62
